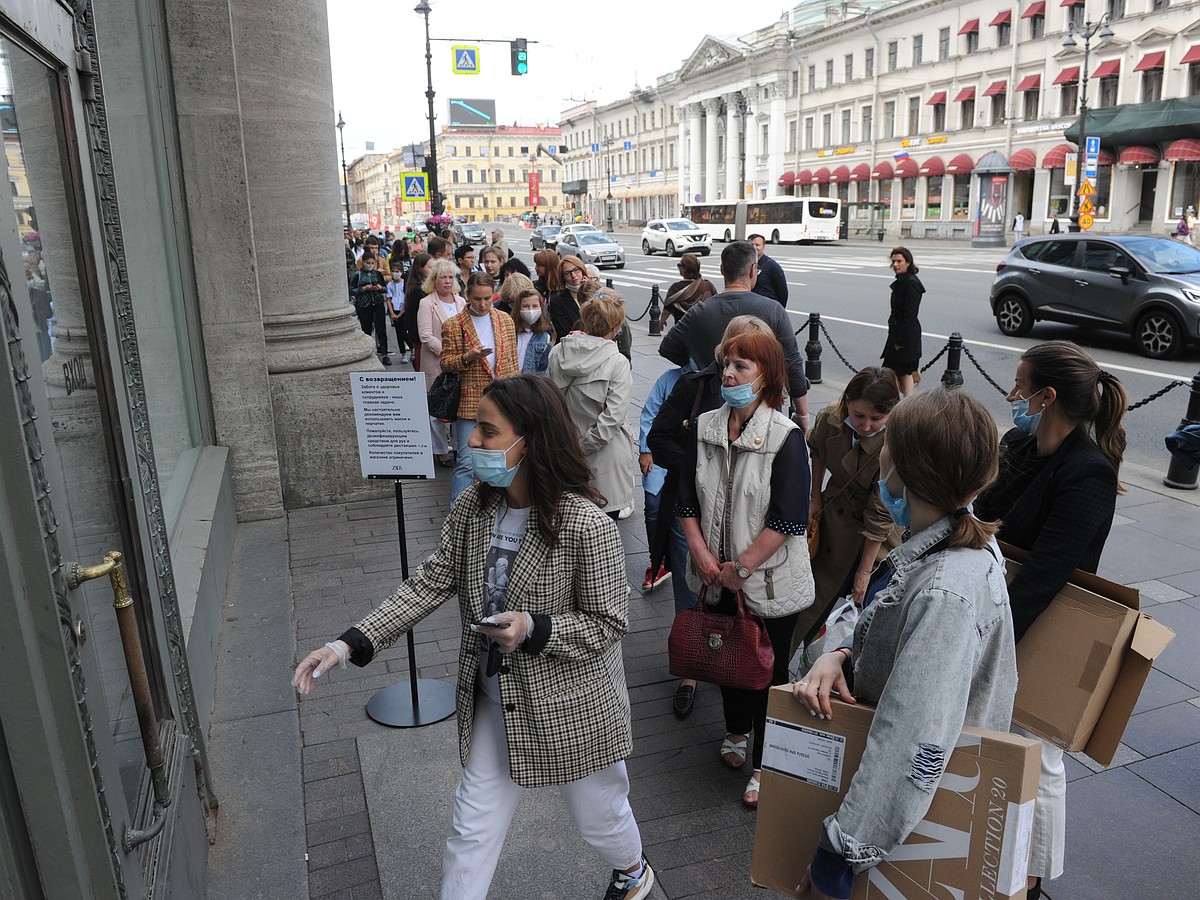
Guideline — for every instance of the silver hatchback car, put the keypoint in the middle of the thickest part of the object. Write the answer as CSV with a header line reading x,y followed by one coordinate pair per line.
x,y
1148,287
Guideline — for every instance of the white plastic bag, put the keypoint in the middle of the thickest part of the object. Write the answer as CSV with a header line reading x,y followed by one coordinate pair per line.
x,y
839,626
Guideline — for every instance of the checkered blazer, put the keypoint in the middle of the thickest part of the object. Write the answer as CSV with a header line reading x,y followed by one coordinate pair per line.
x,y
566,707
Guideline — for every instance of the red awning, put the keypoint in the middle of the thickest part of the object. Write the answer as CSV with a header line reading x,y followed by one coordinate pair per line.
x,y
1134,156
1107,68
1057,158
1183,150
804,178
967,93
1023,161
1151,61
1072,3
1030,83
907,168
1002,18
961,165
1192,56
932,166
996,87
861,172
882,170
1035,9
939,97
787,179
840,175
973,26
1106,157
821,176
1069,75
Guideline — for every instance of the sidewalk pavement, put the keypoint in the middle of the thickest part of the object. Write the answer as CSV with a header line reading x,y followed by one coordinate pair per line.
x,y
319,801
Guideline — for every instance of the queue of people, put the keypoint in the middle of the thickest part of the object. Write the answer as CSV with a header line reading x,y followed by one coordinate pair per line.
x,y
904,492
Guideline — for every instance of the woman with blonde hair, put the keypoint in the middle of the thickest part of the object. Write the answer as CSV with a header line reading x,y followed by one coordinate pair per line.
x,y
441,303
564,304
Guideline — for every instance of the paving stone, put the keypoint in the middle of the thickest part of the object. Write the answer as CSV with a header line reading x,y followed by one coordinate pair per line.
x,y
1159,591
1181,659
1188,581
1162,690
1176,773
1123,756
1164,729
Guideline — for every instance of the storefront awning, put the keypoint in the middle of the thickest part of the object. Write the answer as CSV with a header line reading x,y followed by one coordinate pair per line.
x,y
1151,61
996,87
804,178
1183,150
1192,56
1106,157
1002,18
1030,83
1035,9
967,93
1139,156
1056,158
961,165
861,172
882,170
907,168
932,167
840,175
1072,3
1141,124
821,176
936,99
1069,75
1023,161
787,179
1107,69
971,27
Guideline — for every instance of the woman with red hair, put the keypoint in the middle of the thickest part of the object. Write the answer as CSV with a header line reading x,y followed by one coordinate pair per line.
x,y
751,458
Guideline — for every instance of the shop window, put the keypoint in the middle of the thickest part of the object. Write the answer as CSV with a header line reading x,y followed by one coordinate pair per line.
x,y
1068,104
883,196
943,44
843,192
1031,105
933,196
1059,202
908,198
962,197
1185,186
1152,80
1108,90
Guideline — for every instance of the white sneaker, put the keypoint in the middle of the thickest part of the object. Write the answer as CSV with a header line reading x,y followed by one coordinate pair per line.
x,y
626,511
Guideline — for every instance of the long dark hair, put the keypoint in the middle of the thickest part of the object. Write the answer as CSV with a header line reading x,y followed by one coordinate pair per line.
x,y
417,273
554,459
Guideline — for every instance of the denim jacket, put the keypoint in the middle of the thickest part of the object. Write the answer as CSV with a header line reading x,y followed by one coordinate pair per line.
x,y
933,652
537,354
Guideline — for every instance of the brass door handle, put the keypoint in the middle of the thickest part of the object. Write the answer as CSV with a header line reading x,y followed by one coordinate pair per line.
x,y
111,567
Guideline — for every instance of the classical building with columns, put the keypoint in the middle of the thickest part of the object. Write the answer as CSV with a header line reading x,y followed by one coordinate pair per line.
x,y
931,118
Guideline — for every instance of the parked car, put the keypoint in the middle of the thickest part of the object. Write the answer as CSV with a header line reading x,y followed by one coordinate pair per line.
x,y
1146,286
575,229
469,232
673,236
544,237
594,247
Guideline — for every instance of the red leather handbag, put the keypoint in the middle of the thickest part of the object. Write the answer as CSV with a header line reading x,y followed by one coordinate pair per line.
x,y
729,650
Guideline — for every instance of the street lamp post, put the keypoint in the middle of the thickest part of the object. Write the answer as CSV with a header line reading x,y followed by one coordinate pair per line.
x,y
608,203
435,202
742,112
341,127
1086,31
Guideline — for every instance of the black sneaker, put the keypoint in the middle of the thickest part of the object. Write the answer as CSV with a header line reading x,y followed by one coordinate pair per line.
x,y
625,887
387,360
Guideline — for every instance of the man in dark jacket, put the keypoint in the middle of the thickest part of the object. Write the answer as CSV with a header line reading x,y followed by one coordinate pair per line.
x,y
698,334
771,281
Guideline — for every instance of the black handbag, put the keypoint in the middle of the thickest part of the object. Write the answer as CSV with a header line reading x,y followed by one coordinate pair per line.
x,y
444,394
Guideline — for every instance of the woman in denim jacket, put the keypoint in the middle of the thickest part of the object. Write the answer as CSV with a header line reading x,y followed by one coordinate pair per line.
x,y
937,605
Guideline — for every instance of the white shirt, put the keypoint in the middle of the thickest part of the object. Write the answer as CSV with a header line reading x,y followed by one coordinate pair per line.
x,y
487,335
507,534
523,339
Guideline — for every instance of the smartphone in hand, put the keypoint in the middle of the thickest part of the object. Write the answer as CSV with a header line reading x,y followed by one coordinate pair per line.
x,y
490,622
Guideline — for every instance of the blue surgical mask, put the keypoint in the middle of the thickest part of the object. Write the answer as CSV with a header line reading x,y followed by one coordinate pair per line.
x,y
897,507
740,395
1022,417
491,466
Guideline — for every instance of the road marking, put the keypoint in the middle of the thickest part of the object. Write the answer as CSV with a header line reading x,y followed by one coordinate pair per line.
x,y
977,343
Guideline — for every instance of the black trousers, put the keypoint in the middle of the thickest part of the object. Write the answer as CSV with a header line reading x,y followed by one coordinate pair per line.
x,y
401,333
373,320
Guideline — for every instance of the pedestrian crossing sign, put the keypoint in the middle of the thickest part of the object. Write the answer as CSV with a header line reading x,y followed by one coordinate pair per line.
x,y
415,185
466,60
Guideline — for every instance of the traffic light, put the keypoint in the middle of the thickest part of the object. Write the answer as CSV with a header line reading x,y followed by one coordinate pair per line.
x,y
520,56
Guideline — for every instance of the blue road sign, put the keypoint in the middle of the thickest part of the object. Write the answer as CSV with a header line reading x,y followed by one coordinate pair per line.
x,y
466,60
628,145
1091,157
595,148
415,185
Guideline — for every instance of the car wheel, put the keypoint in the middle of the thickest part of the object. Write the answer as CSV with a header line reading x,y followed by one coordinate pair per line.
x,y
1013,316
775,237
532,246
728,236
619,266
670,248
1159,335
646,247
705,252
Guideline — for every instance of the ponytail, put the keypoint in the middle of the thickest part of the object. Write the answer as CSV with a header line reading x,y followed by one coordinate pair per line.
x,y
1110,433
970,531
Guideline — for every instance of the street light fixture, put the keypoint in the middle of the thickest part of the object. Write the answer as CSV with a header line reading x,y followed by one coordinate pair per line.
x,y
742,112
435,199
608,205
1087,31
341,127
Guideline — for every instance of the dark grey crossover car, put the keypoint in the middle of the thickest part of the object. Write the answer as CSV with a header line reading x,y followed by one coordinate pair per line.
x,y
1148,287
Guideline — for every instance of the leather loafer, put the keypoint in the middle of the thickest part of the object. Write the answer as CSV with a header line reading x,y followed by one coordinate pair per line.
x,y
685,699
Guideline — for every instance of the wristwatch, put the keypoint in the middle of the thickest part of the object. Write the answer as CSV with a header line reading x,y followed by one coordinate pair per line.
x,y
742,571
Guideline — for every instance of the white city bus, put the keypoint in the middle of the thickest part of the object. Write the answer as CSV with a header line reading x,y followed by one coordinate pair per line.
x,y
777,219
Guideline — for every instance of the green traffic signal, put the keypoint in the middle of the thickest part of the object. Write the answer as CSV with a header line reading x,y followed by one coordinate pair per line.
x,y
520,56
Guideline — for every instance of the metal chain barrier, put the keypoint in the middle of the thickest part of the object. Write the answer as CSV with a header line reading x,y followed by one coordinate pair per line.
x,y
986,376
644,311
834,347
929,365
1170,387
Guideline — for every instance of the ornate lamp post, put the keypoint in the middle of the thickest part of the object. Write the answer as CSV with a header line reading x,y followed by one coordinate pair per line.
x,y
341,126
1086,31
608,203
742,112
435,202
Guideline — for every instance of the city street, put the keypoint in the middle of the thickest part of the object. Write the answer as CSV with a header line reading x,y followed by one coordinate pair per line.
x,y
847,283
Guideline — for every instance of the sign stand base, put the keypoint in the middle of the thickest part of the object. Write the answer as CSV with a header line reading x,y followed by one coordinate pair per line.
x,y
426,700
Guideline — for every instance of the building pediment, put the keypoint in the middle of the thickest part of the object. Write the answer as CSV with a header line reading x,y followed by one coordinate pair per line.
x,y
1192,30
712,53
1154,36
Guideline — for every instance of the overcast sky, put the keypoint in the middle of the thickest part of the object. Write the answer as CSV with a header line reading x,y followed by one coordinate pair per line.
x,y
590,50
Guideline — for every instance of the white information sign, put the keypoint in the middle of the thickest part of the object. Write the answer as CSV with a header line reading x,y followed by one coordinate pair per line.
x,y
391,413
809,755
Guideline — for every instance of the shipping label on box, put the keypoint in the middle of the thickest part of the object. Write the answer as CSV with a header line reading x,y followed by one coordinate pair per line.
x,y
973,842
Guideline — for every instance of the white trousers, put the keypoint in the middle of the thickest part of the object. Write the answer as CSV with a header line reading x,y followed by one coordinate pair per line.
x,y
1049,840
487,798
439,433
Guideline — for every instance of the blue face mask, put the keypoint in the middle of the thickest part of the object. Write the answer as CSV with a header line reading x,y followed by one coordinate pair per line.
x,y
897,507
1022,418
740,395
491,466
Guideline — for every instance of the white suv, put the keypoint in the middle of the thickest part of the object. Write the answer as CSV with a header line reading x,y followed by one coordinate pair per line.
x,y
675,236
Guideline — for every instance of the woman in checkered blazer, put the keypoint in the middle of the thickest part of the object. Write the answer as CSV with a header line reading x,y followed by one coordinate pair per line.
x,y
539,573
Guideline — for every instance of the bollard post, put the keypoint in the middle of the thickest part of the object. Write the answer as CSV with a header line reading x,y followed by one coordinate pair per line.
x,y
953,376
1180,476
608,283
812,350
655,312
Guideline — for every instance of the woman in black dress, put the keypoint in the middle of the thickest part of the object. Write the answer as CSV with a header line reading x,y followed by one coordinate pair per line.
x,y
902,352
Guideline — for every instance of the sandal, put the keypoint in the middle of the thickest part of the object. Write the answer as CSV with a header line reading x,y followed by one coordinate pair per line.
x,y
685,699
446,461
751,788
733,753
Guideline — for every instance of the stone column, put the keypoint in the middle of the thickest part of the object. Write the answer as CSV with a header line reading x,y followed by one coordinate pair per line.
x,y
681,168
712,111
733,162
695,180
777,137
752,126
285,93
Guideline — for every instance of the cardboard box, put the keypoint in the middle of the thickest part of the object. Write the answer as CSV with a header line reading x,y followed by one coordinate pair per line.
x,y
973,842
1083,663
